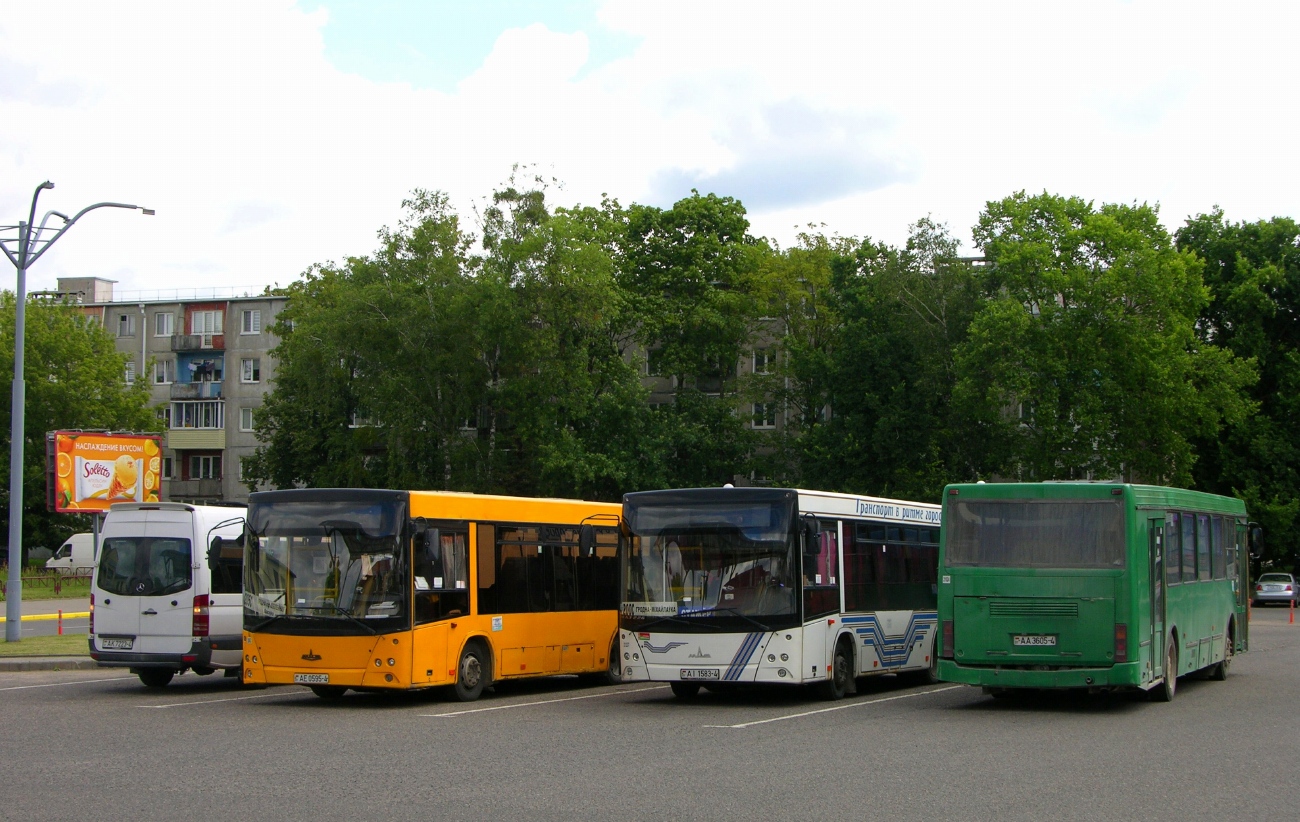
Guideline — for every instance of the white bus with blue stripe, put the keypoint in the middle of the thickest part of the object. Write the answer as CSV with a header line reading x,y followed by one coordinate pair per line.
x,y
723,586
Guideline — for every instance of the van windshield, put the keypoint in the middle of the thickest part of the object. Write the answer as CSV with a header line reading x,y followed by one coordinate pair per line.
x,y
145,566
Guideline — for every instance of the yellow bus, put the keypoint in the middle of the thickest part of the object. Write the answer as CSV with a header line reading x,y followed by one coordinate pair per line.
x,y
373,589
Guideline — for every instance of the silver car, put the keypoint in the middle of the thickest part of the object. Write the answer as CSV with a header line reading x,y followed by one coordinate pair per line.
x,y
1277,588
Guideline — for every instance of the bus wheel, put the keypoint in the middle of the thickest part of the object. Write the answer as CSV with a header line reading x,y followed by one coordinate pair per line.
x,y
1164,692
685,690
841,669
156,677
328,691
471,673
1219,672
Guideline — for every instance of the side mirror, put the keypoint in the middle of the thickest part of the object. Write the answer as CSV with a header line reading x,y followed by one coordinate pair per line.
x,y
1256,542
587,540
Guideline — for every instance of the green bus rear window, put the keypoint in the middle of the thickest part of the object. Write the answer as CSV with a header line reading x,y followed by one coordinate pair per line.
x,y
1035,533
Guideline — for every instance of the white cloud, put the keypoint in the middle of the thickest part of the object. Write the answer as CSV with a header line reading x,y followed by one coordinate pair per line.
x,y
261,158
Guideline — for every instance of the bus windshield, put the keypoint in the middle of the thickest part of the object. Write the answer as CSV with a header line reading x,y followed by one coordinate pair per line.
x,y
327,565
1020,533
711,559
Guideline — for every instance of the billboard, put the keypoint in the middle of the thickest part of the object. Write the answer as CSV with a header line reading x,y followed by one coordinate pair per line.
x,y
88,471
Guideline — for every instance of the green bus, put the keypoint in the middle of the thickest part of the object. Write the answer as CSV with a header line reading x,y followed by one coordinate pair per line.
x,y
1090,585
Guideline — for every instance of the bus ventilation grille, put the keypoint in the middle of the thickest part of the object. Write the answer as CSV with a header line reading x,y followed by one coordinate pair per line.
x,y
1032,608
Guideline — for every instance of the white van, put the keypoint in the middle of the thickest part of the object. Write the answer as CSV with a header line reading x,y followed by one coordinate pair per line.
x,y
165,596
75,556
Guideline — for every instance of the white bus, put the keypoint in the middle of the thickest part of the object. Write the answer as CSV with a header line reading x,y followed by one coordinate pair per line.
x,y
739,585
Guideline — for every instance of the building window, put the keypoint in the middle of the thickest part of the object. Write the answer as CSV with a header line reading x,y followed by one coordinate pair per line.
x,y
164,324
205,466
250,370
126,325
164,372
764,359
764,415
245,419
251,321
206,322
211,370
203,414
130,371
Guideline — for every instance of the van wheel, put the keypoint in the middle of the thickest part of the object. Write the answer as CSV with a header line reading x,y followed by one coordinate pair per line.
x,y
471,673
328,691
156,677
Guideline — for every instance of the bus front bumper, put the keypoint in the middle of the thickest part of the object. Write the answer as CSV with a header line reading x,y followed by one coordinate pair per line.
x,y
1125,675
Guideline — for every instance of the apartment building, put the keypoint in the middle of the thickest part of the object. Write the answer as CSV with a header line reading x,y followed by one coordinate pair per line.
x,y
206,357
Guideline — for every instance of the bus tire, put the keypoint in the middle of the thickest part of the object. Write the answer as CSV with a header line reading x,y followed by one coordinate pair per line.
x,y
328,691
1164,692
837,684
1219,671
471,672
156,677
685,690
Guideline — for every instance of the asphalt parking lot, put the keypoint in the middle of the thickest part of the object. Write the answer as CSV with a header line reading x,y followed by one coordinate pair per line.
x,y
96,744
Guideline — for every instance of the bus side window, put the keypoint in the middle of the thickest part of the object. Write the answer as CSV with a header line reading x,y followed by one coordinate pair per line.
x,y
1217,549
1203,568
1173,551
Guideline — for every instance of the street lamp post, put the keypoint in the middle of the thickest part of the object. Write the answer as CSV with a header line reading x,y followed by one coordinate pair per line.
x,y
30,247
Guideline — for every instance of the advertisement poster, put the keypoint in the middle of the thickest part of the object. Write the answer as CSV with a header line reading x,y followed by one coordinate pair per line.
x,y
91,471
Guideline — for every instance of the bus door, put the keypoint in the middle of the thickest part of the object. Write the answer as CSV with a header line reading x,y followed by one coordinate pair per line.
x,y
1241,582
1156,530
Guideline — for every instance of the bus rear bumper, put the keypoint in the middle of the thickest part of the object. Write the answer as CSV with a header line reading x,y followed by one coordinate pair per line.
x,y
1127,675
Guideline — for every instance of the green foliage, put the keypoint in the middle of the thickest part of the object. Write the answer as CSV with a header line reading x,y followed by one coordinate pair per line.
x,y
891,372
1253,273
1083,361
74,378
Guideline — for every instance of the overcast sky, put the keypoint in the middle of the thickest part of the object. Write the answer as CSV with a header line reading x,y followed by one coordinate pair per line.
x,y
270,135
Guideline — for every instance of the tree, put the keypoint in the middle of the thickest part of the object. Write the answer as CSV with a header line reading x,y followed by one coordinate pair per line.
x,y
1084,361
904,312
1253,273
75,378
691,277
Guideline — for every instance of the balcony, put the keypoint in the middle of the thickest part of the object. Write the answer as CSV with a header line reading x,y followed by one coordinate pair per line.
x,y
208,439
198,342
196,390
194,489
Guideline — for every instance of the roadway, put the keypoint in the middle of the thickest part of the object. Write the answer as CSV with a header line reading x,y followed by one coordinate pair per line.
x,y
96,744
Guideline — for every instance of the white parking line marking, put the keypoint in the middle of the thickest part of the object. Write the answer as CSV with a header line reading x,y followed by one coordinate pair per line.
x,y
59,684
543,702
837,708
227,699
